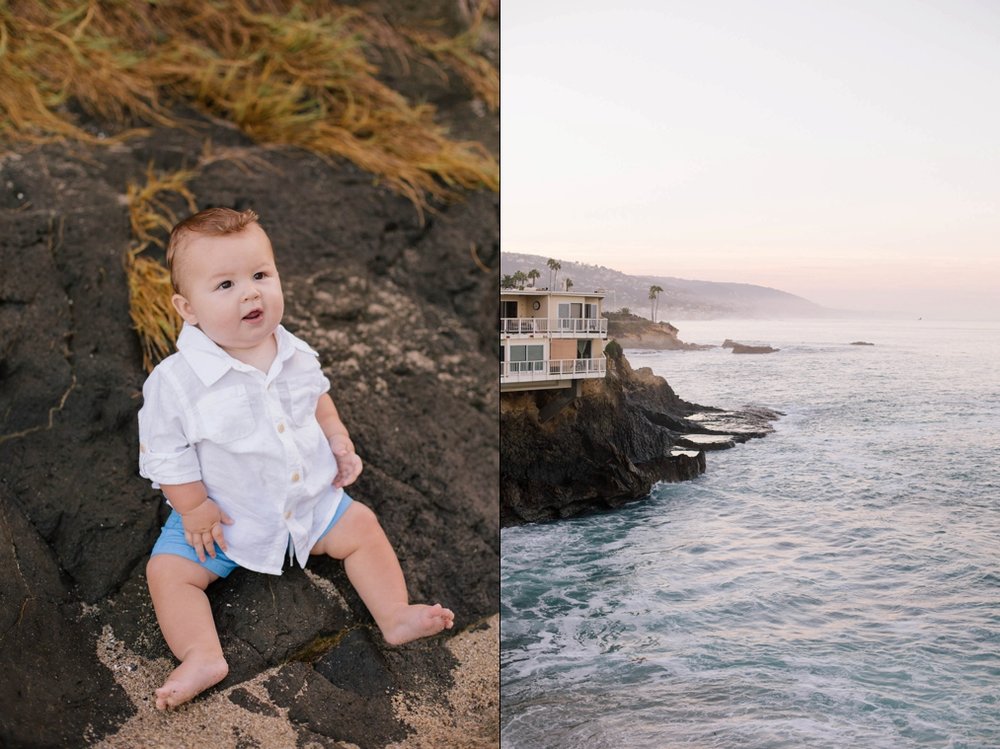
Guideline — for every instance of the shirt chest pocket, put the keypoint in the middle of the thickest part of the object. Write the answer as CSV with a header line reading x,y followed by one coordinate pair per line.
x,y
299,395
225,415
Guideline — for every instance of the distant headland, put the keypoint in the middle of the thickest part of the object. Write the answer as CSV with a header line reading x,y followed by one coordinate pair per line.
x,y
678,298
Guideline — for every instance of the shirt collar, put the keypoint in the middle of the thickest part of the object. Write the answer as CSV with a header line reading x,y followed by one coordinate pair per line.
x,y
210,362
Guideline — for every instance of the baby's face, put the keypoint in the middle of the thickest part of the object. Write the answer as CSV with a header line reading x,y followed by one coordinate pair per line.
x,y
231,288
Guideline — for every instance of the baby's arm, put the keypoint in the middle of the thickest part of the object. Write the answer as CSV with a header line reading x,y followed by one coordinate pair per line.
x,y
348,462
201,517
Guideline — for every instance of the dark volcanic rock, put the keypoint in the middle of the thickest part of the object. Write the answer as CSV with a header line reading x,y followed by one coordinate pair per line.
x,y
605,448
54,689
356,665
317,707
399,312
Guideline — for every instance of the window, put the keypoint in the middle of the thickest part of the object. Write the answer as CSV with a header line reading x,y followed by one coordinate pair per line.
x,y
526,358
570,316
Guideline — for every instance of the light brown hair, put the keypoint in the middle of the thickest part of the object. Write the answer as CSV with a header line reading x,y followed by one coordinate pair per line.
x,y
213,222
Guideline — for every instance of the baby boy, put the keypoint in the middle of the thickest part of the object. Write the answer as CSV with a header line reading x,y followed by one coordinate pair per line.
x,y
238,431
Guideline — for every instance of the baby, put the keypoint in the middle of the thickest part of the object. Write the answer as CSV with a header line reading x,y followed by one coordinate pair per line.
x,y
239,433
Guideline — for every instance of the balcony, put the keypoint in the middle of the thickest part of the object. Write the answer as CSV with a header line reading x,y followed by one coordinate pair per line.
x,y
540,370
529,326
563,327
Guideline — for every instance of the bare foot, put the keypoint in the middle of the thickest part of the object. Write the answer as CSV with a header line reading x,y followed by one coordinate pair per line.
x,y
414,621
189,679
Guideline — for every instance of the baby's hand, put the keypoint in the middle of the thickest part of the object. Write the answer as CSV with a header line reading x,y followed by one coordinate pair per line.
x,y
203,528
348,462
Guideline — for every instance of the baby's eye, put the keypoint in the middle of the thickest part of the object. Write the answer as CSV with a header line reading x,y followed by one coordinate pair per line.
x,y
259,275
226,285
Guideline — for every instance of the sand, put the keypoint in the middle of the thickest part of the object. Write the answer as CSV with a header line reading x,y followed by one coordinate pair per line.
x,y
468,718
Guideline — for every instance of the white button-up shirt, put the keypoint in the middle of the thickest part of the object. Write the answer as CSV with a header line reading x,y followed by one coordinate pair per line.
x,y
252,439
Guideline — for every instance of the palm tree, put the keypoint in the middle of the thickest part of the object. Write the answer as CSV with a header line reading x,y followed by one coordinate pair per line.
x,y
569,283
519,278
507,282
654,292
554,267
532,275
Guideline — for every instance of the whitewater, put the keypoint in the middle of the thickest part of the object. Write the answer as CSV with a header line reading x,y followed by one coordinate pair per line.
x,y
835,584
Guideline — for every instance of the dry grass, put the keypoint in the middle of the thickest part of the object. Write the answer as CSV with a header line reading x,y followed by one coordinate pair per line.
x,y
459,53
285,72
153,316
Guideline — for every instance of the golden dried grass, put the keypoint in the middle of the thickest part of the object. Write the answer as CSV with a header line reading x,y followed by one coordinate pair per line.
x,y
153,315
285,72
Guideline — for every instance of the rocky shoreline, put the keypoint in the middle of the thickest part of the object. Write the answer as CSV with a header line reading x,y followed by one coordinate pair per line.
x,y
608,445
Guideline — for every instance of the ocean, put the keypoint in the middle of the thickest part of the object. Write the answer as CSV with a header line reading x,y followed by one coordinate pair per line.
x,y
835,584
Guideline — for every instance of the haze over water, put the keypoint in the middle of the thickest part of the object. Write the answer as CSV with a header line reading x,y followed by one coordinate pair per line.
x,y
836,584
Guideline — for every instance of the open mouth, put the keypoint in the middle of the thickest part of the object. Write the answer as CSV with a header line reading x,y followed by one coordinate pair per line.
x,y
255,315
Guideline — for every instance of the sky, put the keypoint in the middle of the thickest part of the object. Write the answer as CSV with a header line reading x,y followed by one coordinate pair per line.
x,y
846,151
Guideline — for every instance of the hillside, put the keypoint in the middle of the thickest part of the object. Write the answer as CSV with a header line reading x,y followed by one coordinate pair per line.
x,y
680,299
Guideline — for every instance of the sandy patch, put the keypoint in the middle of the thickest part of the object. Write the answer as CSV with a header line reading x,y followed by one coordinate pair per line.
x,y
467,717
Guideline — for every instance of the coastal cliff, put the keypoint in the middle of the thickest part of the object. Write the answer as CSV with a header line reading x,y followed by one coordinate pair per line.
x,y
606,444
633,331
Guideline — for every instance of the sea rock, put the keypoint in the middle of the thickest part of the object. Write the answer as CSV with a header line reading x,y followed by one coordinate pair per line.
x,y
861,343
600,450
358,266
750,422
742,348
739,348
706,441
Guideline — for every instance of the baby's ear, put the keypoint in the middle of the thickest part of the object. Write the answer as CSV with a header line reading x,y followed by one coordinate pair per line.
x,y
184,309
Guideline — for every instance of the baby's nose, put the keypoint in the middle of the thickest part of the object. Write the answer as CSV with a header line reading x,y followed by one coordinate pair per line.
x,y
251,293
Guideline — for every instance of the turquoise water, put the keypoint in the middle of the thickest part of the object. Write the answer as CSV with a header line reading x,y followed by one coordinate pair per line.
x,y
836,584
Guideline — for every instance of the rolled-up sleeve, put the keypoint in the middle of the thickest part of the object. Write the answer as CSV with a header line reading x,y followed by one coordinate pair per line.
x,y
166,455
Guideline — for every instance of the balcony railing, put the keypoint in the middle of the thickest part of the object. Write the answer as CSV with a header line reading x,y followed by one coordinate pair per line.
x,y
563,326
524,325
552,369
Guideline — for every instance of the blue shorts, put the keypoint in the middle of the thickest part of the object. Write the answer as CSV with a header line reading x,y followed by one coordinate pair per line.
x,y
171,541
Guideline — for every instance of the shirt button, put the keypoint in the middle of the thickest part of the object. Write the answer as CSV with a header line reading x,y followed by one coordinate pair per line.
x,y
288,514
281,428
295,477
142,448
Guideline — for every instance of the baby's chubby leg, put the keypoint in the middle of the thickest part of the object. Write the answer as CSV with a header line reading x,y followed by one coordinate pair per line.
x,y
177,587
374,570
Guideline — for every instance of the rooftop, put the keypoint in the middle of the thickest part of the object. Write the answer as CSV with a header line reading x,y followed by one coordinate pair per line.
x,y
546,292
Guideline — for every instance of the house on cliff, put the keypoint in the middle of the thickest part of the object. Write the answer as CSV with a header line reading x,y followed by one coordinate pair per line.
x,y
550,339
